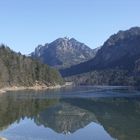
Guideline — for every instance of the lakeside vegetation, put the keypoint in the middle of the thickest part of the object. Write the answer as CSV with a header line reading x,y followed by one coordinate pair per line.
x,y
20,70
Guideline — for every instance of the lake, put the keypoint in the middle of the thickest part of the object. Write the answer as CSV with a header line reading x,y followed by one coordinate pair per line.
x,y
74,113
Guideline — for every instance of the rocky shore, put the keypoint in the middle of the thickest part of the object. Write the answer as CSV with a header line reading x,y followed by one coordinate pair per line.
x,y
3,139
15,88
35,87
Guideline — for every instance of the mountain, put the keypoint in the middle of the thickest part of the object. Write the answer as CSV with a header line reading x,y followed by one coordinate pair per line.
x,y
120,52
63,52
19,70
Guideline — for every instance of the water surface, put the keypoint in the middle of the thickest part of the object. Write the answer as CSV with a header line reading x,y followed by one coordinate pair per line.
x,y
80,113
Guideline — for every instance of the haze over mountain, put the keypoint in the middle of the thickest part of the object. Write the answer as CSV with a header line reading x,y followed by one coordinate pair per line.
x,y
63,52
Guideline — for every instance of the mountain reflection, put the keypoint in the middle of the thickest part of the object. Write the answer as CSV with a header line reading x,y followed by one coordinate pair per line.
x,y
120,117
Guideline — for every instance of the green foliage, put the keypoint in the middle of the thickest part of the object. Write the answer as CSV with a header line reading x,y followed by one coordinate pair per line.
x,y
19,70
113,77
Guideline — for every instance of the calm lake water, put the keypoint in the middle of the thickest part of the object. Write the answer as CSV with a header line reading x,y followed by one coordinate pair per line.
x,y
80,113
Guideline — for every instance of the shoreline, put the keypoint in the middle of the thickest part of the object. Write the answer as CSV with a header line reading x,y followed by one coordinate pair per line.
x,y
1,138
36,87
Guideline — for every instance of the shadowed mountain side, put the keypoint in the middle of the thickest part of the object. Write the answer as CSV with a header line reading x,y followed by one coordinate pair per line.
x,y
120,51
111,77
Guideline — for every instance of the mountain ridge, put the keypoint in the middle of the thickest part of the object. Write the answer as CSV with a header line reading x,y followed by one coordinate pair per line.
x,y
63,52
120,51
116,63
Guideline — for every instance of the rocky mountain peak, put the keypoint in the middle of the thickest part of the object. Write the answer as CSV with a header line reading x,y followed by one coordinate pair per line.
x,y
63,52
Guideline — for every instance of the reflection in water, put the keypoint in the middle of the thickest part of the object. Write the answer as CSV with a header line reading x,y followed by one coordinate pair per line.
x,y
120,117
65,118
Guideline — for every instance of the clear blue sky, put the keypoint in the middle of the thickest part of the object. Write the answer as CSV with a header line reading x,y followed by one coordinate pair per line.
x,y
26,23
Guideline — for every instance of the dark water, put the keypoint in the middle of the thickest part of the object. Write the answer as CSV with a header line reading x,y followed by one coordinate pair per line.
x,y
81,113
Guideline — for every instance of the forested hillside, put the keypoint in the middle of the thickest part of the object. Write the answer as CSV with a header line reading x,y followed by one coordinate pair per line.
x,y
19,70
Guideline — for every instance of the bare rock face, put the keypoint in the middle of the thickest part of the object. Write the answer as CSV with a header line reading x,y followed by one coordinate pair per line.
x,y
63,52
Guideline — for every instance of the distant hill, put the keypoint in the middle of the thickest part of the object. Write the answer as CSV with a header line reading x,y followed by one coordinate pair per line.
x,y
116,63
121,51
63,52
19,70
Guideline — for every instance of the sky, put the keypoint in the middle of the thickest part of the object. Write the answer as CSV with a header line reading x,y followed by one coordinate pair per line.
x,y
24,24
